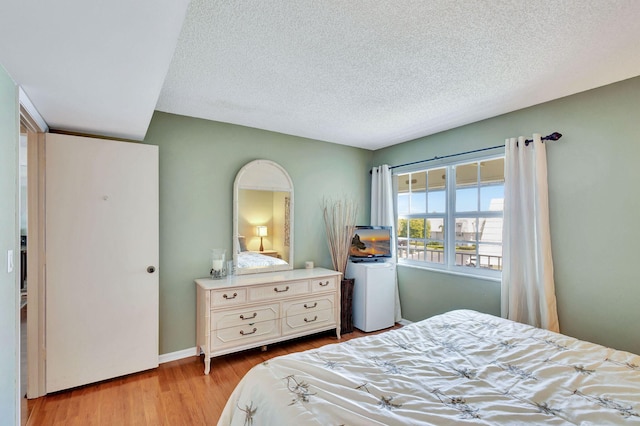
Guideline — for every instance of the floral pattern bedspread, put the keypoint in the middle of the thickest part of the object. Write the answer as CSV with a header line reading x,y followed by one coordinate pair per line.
x,y
461,367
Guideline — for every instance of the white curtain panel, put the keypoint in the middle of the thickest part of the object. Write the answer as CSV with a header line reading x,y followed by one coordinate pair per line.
x,y
528,290
382,214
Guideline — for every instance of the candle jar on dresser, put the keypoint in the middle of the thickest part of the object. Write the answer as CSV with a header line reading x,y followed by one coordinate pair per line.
x,y
218,264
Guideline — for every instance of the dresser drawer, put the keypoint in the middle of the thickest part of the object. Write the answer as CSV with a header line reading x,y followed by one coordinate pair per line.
x,y
321,303
324,284
228,297
244,316
310,320
278,291
243,334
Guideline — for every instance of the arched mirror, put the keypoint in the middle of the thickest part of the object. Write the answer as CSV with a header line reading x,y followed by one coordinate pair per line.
x,y
262,218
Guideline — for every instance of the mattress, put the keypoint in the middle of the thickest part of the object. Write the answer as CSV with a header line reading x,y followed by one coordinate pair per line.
x,y
462,367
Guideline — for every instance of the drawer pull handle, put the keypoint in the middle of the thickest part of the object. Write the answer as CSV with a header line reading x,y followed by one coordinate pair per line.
x,y
311,307
326,283
281,291
242,317
248,332
229,298
311,320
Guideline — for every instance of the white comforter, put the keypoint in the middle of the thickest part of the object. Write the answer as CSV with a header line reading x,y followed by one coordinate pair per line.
x,y
462,367
250,259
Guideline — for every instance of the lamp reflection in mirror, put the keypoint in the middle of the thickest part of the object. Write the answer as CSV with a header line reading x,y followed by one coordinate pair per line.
x,y
261,231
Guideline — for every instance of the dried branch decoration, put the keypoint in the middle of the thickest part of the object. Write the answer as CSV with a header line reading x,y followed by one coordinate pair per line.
x,y
340,223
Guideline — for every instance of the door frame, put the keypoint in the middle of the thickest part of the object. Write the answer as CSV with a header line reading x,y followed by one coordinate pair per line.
x,y
36,127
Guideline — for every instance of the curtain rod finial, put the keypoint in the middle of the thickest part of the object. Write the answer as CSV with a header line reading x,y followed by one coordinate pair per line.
x,y
554,136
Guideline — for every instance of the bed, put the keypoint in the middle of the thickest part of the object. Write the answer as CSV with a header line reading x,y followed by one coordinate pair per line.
x,y
462,367
251,259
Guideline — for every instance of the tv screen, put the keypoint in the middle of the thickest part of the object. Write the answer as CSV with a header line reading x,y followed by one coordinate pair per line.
x,y
370,243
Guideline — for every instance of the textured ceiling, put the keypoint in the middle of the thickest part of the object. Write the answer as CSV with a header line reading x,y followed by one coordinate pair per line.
x,y
362,73
373,74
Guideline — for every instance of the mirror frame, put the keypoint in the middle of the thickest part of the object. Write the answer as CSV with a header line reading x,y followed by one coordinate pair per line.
x,y
262,175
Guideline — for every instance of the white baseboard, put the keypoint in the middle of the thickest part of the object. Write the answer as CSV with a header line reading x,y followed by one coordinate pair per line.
x,y
405,322
174,356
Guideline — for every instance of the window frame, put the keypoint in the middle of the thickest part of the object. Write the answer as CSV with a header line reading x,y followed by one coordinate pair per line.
x,y
450,214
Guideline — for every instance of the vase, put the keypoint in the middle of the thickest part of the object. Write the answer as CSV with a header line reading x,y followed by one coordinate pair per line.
x,y
346,305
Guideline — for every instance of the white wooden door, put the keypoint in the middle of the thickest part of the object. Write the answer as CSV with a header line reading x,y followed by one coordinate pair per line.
x,y
101,237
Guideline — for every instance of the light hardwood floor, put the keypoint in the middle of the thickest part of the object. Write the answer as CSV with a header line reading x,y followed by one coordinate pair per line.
x,y
176,393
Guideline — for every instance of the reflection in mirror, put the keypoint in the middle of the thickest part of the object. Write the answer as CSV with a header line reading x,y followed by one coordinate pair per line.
x,y
262,222
263,218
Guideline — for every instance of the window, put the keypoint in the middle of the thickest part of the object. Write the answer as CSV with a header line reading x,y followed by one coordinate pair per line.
x,y
450,217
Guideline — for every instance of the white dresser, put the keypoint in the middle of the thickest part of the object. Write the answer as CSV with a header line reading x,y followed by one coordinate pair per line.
x,y
247,311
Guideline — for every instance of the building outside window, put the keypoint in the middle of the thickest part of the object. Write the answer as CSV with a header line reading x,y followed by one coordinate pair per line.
x,y
450,216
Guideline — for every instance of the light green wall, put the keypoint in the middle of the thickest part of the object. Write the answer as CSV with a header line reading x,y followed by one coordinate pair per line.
x,y
8,241
594,211
199,160
592,172
424,293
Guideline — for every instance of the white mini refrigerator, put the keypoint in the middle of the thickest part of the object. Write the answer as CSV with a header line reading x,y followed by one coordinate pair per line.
x,y
373,294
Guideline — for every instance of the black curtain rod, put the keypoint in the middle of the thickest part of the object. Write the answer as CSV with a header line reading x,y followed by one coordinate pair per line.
x,y
552,137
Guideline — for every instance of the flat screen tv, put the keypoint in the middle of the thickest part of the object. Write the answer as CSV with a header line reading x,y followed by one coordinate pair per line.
x,y
370,244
